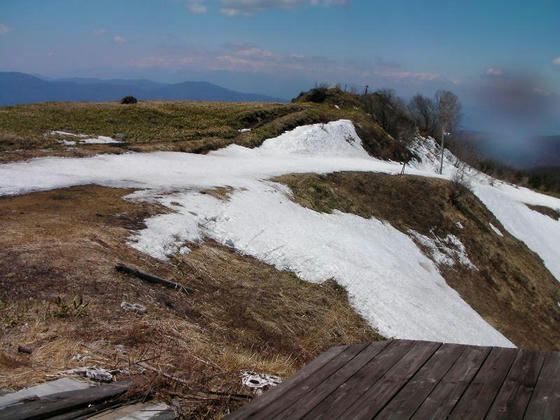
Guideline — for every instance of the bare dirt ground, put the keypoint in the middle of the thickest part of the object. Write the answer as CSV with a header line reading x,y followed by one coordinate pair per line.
x,y
60,296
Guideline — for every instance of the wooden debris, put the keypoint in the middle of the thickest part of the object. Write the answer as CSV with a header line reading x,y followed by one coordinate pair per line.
x,y
153,279
64,402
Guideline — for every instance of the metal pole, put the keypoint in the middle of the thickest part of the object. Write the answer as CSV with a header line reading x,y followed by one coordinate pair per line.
x,y
441,158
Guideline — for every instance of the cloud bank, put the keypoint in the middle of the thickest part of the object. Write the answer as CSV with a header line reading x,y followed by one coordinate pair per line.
x,y
250,7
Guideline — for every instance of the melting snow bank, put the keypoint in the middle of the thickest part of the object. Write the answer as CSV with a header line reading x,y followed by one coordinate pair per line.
x,y
389,281
540,233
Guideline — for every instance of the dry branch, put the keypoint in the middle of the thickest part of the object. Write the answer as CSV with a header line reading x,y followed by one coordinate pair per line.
x,y
153,279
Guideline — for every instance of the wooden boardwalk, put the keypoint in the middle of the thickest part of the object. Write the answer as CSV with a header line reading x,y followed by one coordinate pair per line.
x,y
401,379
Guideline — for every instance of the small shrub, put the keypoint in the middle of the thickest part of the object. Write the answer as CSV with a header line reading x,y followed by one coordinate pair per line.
x,y
75,309
129,100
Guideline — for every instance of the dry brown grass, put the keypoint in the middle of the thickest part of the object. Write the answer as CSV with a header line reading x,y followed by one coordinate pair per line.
x,y
547,211
512,289
180,126
244,315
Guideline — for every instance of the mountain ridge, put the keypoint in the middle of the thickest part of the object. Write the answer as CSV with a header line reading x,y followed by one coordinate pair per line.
x,y
21,88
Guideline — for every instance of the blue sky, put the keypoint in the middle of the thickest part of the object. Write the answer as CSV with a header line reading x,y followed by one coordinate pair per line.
x,y
280,47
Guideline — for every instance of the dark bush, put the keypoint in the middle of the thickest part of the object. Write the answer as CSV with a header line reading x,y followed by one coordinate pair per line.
x,y
129,100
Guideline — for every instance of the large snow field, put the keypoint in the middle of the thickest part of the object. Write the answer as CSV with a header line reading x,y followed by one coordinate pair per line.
x,y
390,282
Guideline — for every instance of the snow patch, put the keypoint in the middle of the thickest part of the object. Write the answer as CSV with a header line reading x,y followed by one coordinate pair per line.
x,y
496,230
83,138
445,251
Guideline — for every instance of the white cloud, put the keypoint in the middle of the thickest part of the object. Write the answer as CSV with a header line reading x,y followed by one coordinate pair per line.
x,y
249,7
117,39
556,61
4,29
197,7
99,31
493,71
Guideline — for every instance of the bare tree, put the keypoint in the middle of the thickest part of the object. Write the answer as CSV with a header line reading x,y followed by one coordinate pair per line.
x,y
449,116
391,113
423,111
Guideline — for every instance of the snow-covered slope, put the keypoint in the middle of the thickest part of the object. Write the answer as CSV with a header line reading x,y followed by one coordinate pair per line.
x,y
508,203
390,282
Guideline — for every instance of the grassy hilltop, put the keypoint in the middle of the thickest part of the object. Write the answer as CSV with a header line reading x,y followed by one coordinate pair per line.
x,y
198,127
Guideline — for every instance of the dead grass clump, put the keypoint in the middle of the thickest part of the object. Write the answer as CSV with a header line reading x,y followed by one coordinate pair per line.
x,y
13,362
511,288
547,211
221,193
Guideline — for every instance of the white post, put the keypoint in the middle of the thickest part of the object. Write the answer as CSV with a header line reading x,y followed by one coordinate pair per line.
x,y
441,158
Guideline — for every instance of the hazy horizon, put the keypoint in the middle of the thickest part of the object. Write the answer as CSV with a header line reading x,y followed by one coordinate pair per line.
x,y
501,59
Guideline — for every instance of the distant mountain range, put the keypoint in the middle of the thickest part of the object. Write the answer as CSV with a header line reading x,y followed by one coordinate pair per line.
x,y
21,88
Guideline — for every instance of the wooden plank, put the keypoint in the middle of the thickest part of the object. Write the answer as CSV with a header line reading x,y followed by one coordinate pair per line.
x,y
412,395
373,401
350,391
277,392
64,402
447,392
480,394
315,396
512,399
303,387
545,401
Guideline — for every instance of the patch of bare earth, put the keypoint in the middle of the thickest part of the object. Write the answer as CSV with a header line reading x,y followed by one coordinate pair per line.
x,y
511,288
60,296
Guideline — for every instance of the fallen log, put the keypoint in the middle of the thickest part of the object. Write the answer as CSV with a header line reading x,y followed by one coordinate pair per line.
x,y
153,279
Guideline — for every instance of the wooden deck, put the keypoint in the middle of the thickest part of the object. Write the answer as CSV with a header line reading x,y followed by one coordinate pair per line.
x,y
401,379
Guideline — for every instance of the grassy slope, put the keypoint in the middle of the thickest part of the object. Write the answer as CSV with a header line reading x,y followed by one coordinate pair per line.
x,y
244,314
174,126
512,289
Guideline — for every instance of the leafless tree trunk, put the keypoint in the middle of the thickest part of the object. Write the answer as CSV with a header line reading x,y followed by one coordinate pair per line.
x,y
449,116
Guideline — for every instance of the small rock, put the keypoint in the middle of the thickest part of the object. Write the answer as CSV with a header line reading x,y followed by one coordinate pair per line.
x,y
134,307
93,373
81,357
26,350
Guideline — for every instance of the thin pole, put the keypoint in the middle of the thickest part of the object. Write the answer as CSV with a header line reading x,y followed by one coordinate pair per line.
x,y
441,158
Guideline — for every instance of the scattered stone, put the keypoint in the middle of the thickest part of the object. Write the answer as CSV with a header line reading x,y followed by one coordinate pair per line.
x,y
94,373
259,382
134,307
81,357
